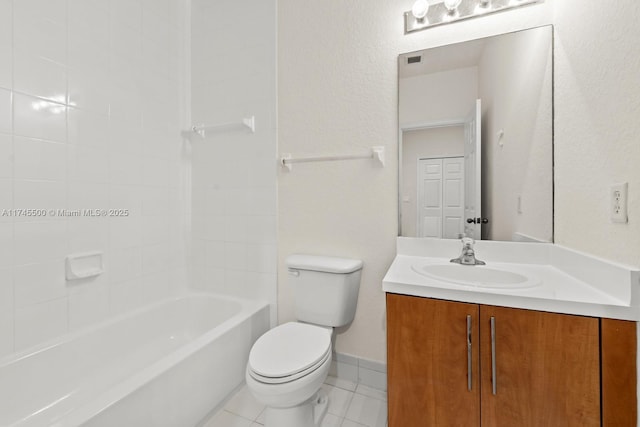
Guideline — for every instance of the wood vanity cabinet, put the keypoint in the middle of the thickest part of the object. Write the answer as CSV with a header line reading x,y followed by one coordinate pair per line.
x,y
460,364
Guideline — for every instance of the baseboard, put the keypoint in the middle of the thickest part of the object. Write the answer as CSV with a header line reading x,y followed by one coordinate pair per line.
x,y
359,371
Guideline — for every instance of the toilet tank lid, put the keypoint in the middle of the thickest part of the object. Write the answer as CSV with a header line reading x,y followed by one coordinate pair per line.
x,y
327,264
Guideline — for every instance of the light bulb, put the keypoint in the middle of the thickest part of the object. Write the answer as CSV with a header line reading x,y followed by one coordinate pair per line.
x,y
483,6
452,5
420,9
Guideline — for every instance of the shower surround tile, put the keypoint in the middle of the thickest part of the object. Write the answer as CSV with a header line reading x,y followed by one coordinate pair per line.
x,y
6,291
5,110
39,194
38,283
39,160
6,156
38,323
39,118
6,333
6,44
6,204
233,77
36,242
73,92
40,76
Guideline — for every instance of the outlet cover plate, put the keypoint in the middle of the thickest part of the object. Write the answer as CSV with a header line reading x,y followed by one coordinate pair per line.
x,y
619,203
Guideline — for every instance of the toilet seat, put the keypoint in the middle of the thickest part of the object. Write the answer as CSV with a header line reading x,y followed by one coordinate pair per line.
x,y
289,352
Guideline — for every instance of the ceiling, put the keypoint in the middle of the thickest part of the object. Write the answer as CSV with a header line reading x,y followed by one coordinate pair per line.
x,y
443,58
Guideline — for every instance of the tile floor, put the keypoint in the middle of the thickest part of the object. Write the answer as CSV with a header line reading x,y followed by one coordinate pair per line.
x,y
350,405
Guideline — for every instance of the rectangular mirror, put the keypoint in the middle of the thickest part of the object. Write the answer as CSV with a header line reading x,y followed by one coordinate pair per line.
x,y
476,139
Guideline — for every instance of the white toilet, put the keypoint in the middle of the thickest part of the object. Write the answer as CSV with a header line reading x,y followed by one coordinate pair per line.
x,y
288,364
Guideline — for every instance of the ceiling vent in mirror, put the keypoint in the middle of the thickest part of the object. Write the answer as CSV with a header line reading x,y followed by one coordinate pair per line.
x,y
414,59
424,15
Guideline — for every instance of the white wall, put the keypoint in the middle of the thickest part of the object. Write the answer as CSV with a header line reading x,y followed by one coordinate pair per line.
x,y
515,85
422,144
233,75
90,114
447,95
338,94
597,105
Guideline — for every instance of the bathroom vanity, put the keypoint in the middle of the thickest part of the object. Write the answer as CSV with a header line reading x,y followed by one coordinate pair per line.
x,y
555,347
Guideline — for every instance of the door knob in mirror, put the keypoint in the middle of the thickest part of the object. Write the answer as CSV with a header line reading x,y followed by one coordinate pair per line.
x,y
477,220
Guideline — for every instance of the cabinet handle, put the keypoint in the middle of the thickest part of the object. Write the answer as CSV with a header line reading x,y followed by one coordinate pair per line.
x,y
469,354
494,375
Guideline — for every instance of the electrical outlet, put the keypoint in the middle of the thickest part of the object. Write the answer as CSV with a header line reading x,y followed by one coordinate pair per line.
x,y
619,202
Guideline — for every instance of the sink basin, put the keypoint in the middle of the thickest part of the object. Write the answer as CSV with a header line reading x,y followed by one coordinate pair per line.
x,y
477,276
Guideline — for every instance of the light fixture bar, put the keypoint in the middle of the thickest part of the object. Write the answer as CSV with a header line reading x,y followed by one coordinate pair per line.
x,y
439,14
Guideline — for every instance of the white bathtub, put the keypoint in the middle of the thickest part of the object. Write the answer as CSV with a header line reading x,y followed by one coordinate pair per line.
x,y
168,364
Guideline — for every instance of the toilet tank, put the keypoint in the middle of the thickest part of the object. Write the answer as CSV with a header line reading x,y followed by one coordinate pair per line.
x,y
325,288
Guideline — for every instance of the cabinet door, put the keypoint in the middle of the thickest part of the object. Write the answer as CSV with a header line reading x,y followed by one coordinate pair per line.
x,y
429,361
547,369
619,373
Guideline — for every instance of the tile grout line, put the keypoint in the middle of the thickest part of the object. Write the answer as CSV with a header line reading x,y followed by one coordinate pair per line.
x,y
340,418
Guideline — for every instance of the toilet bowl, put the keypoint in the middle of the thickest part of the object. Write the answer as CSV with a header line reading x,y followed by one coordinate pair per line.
x,y
286,368
288,364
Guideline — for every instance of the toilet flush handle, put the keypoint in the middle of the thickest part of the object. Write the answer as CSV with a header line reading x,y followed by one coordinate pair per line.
x,y
294,273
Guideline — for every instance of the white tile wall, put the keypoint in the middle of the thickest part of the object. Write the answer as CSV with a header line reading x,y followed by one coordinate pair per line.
x,y
88,304
39,322
6,44
90,117
5,110
6,198
6,156
6,290
234,176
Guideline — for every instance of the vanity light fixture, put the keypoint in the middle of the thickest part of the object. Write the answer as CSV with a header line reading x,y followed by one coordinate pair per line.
x,y
452,5
424,15
420,9
484,6
419,12
452,10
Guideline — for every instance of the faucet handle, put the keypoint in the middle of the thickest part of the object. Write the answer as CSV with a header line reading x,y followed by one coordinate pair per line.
x,y
467,241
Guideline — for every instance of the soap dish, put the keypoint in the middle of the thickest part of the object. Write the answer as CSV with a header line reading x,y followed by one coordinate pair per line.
x,y
84,265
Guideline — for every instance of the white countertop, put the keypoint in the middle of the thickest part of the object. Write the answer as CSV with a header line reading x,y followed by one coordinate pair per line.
x,y
570,282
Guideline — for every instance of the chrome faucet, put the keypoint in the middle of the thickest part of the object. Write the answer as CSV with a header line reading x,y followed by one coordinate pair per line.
x,y
468,256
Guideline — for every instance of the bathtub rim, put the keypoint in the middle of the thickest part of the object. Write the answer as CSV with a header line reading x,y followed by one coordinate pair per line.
x,y
71,335
108,397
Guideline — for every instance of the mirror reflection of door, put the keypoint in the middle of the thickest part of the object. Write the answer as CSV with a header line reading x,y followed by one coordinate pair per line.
x,y
433,182
441,197
441,176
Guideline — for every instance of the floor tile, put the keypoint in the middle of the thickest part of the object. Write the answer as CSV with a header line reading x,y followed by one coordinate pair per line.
x,y
227,419
260,419
371,392
371,378
331,420
367,410
339,400
350,405
341,383
244,404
